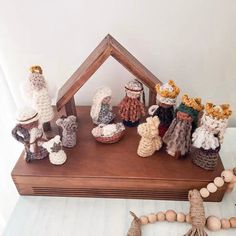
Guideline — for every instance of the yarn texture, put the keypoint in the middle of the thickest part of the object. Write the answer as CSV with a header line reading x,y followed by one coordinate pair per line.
x,y
150,141
56,155
69,127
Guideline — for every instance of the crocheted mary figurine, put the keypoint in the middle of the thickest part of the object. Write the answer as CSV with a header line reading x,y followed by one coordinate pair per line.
x,y
28,132
131,108
208,138
178,136
165,99
101,110
36,90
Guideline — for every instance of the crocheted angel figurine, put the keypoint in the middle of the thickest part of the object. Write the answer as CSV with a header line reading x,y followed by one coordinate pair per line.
x,y
36,90
101,110
178,136
56,155
69,127
165,99
208,138
131,108
150,141
28,132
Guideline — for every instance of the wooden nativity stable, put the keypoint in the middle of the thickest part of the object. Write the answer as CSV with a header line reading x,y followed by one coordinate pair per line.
x,y
115,171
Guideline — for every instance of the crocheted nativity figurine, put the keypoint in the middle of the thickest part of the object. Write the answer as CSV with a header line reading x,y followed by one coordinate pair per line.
x,y
28,132
101,110
178,136
131,108
36,90
208,138
150,141
165,99
69,127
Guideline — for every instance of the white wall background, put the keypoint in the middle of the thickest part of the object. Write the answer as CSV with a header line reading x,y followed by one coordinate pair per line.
x,y
190,41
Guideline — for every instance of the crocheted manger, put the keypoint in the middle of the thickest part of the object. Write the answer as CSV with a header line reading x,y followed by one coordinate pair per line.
x,y
96,170
108,47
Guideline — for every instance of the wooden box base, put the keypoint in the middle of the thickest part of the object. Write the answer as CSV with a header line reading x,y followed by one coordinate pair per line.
x,y
114,170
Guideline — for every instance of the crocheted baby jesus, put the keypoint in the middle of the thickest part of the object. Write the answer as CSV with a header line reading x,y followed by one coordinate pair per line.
x,y
150,141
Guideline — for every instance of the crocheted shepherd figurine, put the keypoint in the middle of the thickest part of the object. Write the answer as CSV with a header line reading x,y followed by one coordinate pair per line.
x,y
69,127
56,155
150,141
28,132
131,109
36,90
101,110
178,136
165,99
208,138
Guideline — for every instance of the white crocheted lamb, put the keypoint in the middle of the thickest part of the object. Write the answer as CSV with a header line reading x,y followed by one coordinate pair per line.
x,y
56,155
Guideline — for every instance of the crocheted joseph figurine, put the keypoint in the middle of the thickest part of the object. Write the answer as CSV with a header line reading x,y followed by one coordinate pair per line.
x,y
150,141
131,108
208,138
165,99
101,110
178,136
28,132
36,90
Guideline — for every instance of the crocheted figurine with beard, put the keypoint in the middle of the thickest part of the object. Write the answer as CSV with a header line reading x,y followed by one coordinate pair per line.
x,y
28,132
165,99
35,90
178,136
131,109
101,110
208,138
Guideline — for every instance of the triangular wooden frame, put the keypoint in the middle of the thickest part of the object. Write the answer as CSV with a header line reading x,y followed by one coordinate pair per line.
x,y
108,47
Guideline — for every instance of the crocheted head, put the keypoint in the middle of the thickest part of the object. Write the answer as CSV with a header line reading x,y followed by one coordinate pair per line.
x,y
167,93
27,117
134,89
189,108
69,124
102,96
37,81
150,128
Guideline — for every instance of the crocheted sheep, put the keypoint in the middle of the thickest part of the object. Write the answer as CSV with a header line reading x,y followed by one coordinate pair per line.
x,y
69,127
150,141
56,155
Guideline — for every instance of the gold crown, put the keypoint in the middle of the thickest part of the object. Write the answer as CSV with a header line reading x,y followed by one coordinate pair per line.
x,y
167,93
194,103
219,112
36,69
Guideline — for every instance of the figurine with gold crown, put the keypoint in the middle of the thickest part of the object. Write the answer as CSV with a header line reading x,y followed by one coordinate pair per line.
x,y
165,99
178,136
208,137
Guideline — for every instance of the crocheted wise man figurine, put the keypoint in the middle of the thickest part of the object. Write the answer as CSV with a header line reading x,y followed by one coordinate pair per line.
x,y
150,141
28,132
165,99
101,110
208,138
69,127
36,90
178,136
131,108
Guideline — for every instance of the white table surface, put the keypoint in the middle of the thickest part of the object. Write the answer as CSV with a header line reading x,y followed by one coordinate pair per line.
x,y
59,216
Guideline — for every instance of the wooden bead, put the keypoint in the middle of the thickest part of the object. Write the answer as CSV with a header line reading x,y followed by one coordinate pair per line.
x,y
171,216
227,175
188,218
144,220
152,218
233,222
213,223
180,217
204,192
211,188
219,182
161,216
225,223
